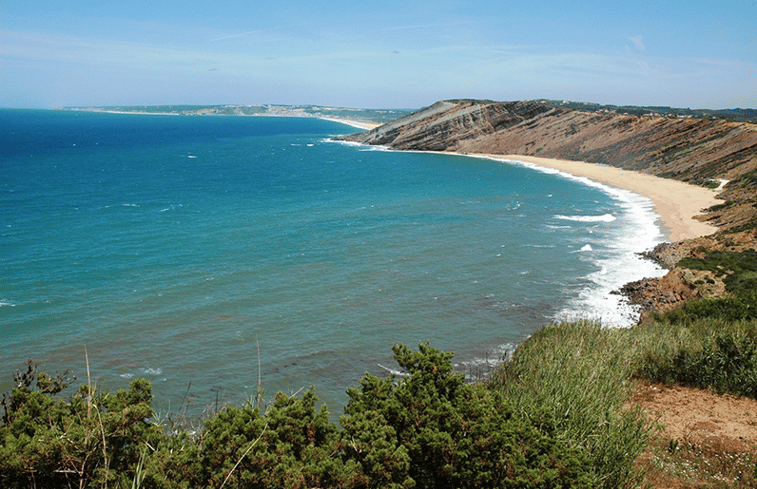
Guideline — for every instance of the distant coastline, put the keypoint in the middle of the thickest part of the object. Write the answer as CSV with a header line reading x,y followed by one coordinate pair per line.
x,y
365,119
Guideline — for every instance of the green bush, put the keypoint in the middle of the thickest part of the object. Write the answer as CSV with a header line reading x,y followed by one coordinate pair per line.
x,y
291,445
93,439
739,269
451,433
730,308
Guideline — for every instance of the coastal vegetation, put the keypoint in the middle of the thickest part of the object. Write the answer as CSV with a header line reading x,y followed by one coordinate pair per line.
x,y
555,414
426,428
558,413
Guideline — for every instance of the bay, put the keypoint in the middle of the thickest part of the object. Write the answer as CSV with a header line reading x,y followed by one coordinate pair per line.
x,y
171,247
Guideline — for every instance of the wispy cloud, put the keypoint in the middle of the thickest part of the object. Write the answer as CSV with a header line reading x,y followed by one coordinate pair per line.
x,y
500,72
245,34
638,43
424,26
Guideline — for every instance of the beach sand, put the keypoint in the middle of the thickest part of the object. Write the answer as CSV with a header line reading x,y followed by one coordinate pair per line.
x,y
675,202
352,122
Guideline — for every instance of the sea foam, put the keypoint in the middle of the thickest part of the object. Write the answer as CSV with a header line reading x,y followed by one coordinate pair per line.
x,y
602,218
620,261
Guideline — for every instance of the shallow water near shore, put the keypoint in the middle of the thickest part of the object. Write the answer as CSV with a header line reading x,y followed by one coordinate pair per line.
x,y
171,246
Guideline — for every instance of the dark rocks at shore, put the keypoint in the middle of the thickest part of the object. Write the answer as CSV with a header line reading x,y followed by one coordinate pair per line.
x,y
661,294
667,254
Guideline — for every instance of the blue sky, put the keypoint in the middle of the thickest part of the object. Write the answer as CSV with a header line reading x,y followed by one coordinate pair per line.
x,y
376,54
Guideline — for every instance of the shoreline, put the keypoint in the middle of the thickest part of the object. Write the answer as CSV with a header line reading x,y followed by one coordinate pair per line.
x,y
665,204
365,125
675,202
359,124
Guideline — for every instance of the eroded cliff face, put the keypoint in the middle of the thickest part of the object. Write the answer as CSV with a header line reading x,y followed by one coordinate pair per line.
x,y
692,150
679,148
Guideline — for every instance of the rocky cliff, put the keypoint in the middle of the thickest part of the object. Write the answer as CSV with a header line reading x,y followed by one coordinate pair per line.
x,y
695,150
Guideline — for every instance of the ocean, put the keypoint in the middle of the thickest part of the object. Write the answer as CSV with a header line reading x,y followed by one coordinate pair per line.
x,y
191,250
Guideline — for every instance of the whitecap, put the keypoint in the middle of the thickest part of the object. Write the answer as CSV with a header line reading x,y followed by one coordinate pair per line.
x,y
619,263
602,218
587,248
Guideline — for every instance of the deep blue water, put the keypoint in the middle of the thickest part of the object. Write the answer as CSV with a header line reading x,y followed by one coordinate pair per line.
x,y
170,246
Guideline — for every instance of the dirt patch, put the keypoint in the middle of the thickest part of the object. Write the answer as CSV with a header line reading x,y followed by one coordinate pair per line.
x,y
706,441
695,413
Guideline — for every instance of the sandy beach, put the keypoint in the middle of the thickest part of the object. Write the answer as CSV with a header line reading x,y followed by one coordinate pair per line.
x,y
352,122
675,202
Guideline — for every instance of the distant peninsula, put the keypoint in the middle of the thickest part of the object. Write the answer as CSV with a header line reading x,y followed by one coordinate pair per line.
x,y
360,118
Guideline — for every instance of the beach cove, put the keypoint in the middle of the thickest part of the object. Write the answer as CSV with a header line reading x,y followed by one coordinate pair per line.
x,y
146,237
676,202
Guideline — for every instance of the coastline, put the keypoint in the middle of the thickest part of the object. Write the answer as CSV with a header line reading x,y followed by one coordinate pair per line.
x,y
675,202
351,122
359,124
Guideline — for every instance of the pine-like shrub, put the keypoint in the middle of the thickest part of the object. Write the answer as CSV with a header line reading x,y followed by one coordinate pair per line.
x,y
437,431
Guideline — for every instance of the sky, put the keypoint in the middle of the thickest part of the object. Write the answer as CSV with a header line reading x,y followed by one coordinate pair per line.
x,y
377,54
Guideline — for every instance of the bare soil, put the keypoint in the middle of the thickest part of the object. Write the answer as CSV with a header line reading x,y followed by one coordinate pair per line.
x,y
696,413
710,428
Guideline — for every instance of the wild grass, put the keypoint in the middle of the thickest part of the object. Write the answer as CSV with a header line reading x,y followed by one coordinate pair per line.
x,y
582,375
710,354
578,373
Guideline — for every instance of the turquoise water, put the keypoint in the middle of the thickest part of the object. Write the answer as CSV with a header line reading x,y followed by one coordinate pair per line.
x,y
170,246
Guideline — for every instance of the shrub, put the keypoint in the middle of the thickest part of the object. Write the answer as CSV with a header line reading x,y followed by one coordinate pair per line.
x,y
92,439
739,269
438,431
729,308
291,445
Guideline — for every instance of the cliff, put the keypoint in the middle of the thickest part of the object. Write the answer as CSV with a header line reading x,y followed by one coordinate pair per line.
x,y
702,151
